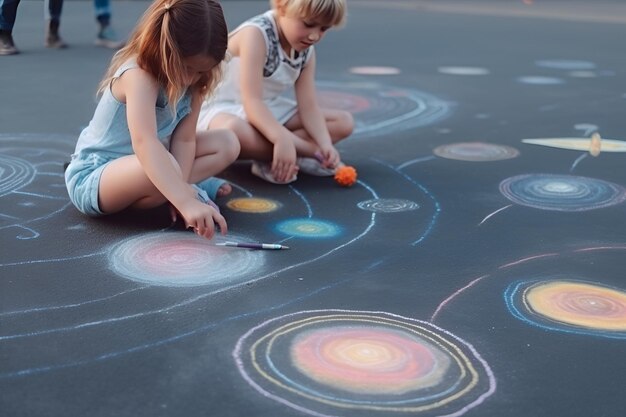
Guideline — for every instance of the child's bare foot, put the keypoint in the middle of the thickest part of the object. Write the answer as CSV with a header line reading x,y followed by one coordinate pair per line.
x,y
224,190
215,187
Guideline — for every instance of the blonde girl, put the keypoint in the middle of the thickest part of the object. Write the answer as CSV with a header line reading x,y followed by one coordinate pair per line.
x,y
273,54
141,148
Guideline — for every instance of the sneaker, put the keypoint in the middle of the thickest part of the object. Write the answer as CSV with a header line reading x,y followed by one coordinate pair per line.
x,y
107,38
53,39
264,171
312,166
6,44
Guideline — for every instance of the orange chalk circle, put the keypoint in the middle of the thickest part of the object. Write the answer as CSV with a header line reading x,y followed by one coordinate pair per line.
x,y
365,360
253,205
579,304
578,144
351,363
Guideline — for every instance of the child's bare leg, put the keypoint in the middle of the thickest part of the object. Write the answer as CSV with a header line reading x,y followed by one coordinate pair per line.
x,y
340,125
253,144
124,184
216,149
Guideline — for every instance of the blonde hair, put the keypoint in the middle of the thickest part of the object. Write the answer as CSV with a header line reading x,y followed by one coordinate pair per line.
x,y
170,31
327,12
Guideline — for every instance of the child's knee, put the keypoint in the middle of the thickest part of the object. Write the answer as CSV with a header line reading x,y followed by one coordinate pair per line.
x,y
149,202
230,144
243,130
234,146
344,125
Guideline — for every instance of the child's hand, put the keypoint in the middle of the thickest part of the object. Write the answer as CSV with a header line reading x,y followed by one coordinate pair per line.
x,y
330,156
284,163
202,218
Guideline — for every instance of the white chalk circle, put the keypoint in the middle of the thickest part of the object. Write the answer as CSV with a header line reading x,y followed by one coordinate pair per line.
x,y
388,205
375,70
539,80
463,70
476,151
562,192
15,173
382,110
582,74
586,127
565,64
184,259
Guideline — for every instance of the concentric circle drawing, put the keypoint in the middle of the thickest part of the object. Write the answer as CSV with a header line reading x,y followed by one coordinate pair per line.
x,y
561,192
388,205
476,151
32,186
14,173
576,306
343,363
379,109
309,228
253,205
182,259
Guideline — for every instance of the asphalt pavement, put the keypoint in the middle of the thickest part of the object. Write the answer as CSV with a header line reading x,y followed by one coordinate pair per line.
x,y
476,268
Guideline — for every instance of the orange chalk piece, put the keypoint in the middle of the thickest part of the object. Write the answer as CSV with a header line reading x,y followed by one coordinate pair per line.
x,y
345,176
595,144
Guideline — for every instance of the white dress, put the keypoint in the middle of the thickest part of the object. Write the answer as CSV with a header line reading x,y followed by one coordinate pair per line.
x,y
280,73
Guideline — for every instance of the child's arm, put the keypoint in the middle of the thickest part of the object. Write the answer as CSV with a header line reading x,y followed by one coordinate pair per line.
x,y
141,92
183,142
252,55
310,114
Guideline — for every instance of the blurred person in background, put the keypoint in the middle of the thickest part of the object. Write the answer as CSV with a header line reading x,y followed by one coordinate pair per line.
x,y
105,37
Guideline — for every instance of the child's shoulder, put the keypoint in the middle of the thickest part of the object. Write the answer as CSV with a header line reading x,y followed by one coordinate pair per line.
x,y
264,18
130,63
264,22
131,77
259,28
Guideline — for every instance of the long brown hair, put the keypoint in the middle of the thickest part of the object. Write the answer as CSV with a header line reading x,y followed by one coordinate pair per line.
x,y
170,31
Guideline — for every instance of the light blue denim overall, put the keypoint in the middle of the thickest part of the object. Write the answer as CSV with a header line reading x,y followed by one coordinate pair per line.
x,y
107,138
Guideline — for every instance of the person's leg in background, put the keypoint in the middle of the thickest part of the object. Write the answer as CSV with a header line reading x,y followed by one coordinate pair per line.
x,y
106,35
8,12
52,11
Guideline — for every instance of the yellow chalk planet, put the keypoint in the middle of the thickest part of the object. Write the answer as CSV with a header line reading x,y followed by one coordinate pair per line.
x,y
579,304
253,205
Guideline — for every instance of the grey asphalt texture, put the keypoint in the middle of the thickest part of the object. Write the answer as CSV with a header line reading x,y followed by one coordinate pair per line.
x,y
406,294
